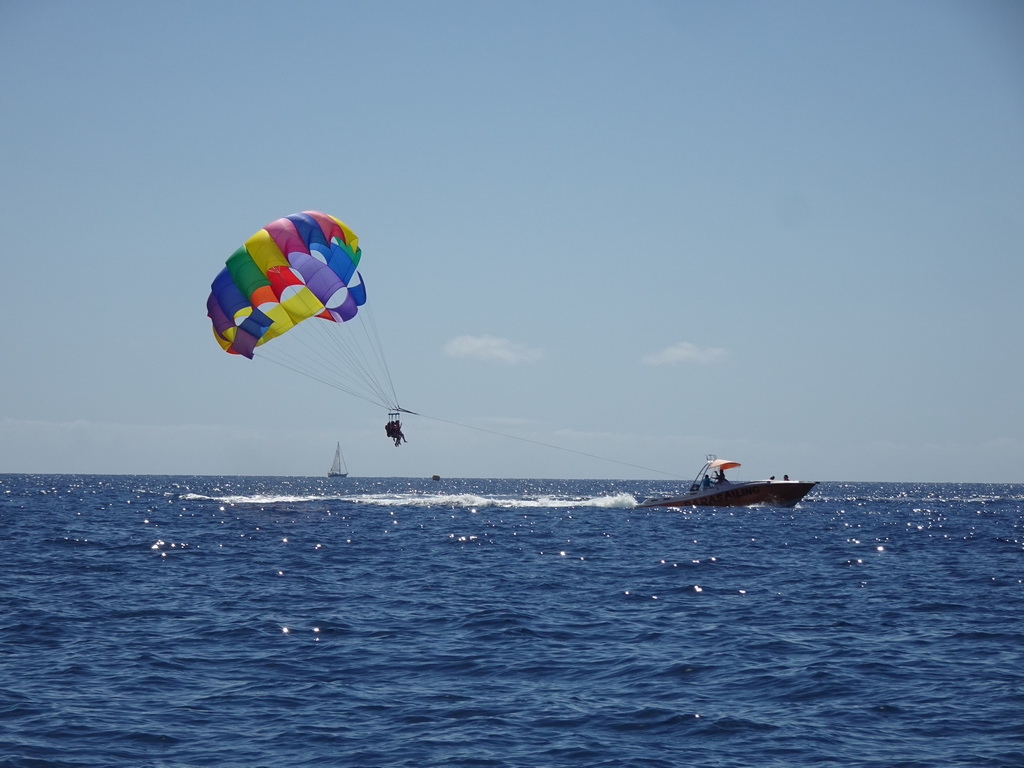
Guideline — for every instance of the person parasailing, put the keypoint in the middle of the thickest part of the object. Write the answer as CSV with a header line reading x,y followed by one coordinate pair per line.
x,y
393,429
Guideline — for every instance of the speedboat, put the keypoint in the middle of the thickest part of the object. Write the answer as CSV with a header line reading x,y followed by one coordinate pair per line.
x,y
710,488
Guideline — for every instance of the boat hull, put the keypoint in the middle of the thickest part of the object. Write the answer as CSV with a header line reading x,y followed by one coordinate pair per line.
x,y
773,493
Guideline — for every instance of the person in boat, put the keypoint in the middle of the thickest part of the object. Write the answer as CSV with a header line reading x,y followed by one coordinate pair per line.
x,y
721,477
786,478
706,482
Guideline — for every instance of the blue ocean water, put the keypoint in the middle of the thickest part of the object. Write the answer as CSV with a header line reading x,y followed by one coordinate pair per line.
x,y
204,621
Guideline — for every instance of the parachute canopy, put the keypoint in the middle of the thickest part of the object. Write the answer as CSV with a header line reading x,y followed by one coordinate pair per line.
x,y
296,268
294,283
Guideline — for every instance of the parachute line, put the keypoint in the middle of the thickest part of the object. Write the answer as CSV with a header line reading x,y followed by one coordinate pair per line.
x,y
346,358
370,324
551,445
282,362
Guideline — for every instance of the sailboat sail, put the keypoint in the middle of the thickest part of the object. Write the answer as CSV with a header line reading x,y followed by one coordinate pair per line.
x,y
338,468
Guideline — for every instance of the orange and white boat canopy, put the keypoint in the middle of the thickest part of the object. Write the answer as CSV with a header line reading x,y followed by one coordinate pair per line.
x,y
722,464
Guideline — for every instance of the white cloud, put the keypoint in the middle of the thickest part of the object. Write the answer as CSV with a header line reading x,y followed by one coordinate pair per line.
x,y
491,348
685,352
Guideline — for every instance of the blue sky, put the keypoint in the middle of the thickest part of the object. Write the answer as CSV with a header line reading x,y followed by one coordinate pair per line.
x,y
788,233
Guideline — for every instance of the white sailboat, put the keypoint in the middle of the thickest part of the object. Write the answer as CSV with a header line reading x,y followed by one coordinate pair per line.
x,y
338,468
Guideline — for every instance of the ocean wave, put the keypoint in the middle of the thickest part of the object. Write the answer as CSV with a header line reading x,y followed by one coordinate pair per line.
x,y
478,501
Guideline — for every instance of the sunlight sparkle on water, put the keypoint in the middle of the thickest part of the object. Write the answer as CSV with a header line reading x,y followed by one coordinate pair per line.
x,y
795,552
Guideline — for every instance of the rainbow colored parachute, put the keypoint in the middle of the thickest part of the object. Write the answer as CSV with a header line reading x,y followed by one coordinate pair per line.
x,y
296,268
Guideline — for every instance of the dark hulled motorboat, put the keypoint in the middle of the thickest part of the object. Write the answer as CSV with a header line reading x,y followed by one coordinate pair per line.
x,y
711,489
